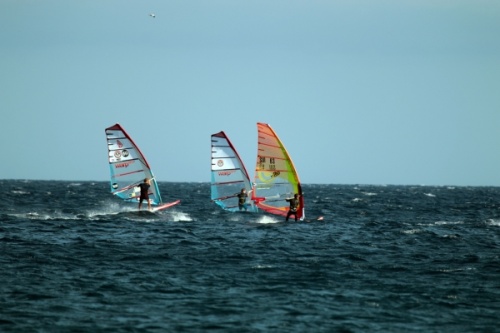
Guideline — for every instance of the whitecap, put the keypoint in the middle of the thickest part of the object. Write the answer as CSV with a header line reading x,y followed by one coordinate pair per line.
x,y
448,222
19,192
267,219
181,217
493,222
412,231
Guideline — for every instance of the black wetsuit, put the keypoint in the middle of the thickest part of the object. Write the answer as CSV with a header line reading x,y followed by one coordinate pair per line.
x,y
294,205
242,198
144,191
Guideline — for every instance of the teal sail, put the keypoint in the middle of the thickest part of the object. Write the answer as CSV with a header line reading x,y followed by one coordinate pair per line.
x,y
229,175
128,167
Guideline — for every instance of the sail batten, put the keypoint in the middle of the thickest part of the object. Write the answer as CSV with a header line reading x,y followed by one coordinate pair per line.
x,y
232,182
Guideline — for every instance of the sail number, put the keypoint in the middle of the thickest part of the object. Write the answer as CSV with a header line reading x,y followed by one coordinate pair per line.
x,y
271,166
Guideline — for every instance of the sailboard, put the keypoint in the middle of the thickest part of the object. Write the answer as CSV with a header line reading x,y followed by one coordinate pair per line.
x,y
228,175
128,168
276,178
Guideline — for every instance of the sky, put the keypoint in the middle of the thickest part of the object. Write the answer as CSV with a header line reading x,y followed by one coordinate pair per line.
x,y
385,92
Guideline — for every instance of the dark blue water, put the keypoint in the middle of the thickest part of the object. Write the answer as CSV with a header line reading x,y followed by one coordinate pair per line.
x,y
385,259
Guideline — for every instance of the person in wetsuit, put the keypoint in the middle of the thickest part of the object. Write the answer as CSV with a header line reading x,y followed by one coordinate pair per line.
x,y
294,206
242,199
144,186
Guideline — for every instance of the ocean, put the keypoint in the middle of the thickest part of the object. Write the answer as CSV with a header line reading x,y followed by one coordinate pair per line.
x,y
384,259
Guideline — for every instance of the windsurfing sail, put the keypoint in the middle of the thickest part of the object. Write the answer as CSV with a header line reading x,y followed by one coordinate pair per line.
x,y
276,178
128,168
229,175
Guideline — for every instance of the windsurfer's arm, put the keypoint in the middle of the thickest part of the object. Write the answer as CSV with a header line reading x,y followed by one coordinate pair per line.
x,y
226,197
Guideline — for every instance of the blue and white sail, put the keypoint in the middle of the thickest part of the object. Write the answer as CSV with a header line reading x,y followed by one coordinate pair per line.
x,y
128,168
229,175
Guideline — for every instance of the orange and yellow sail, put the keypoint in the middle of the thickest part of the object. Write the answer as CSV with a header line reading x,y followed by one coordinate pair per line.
x,y
276,178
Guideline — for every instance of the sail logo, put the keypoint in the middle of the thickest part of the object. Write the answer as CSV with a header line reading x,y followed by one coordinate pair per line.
x,y
118,154
119,143
123,164
220,163
267,177
226,173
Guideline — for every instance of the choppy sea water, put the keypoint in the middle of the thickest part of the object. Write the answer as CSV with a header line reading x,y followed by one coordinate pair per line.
x,y
384,259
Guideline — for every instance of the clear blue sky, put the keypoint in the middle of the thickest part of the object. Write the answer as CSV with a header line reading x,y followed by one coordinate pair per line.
x,y
370,92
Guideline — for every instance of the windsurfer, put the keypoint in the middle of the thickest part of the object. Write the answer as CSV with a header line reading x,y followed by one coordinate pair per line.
x,y
294,205
242,199
144,193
